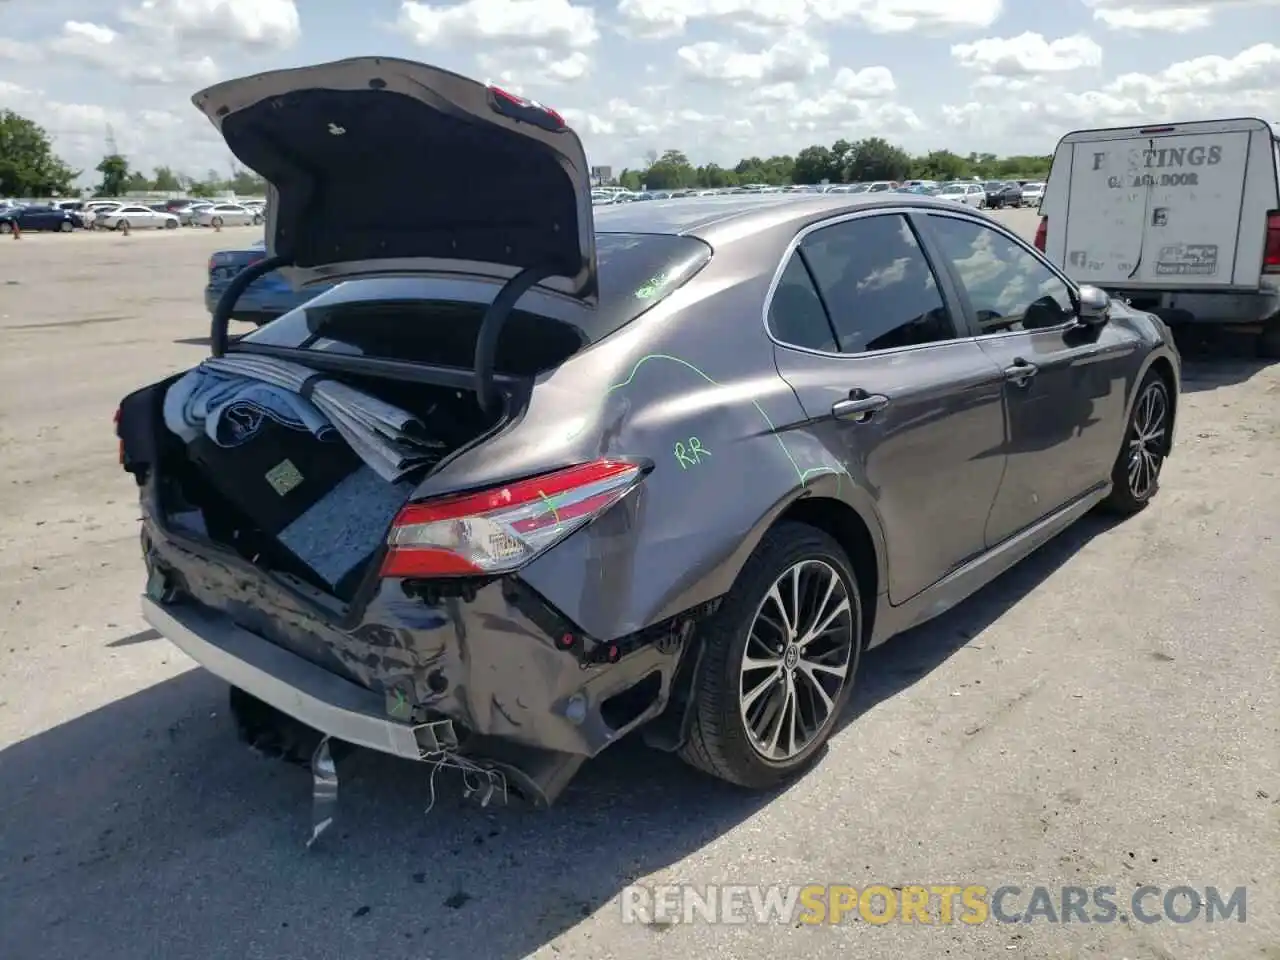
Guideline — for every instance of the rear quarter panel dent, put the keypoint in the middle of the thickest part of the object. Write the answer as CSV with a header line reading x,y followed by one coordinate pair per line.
x,y
719,471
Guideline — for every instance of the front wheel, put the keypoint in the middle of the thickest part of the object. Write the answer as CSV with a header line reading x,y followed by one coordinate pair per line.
x,y
780,657
66,226
123,226
216,222
6,227
171,224
1135,478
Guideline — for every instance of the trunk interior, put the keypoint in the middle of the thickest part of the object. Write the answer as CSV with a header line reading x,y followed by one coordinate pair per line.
x,y
329,536
298,505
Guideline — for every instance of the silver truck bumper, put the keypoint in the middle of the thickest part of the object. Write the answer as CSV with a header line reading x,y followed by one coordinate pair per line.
x,y
310,694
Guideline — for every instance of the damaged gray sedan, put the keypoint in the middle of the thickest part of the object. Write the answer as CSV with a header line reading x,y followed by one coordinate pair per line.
x,y
530,476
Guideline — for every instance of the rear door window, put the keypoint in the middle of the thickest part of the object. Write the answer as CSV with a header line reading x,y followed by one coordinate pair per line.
x,y
877,285
797,317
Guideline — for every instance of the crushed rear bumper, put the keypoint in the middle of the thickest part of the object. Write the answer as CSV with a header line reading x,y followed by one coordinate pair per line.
x,y
487,678
294,686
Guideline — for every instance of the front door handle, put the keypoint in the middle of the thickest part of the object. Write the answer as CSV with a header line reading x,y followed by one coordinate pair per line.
x,y
860,407
1021,372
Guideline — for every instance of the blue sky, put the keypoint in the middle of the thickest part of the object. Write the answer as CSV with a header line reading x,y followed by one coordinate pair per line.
x,y
719,79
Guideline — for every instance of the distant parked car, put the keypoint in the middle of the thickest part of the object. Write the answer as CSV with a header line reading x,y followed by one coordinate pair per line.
x,y
228,215
267,297
1032,194
1002,193
39,218
970,194
137,217
188,215
94,210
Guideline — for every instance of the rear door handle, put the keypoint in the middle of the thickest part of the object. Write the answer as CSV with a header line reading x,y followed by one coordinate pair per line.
x,y
1021,372
859,408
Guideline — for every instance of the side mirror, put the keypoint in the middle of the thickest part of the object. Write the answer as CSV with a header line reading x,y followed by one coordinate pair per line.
x,y
1095,306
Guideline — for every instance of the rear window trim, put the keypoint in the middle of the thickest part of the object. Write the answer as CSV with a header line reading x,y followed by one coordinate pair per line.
x,y
587,321
404,371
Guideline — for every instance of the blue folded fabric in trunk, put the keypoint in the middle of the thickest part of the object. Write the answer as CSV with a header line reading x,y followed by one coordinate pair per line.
x,y
344,527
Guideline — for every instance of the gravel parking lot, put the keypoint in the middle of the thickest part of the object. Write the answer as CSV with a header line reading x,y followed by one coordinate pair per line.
x,y
1106,714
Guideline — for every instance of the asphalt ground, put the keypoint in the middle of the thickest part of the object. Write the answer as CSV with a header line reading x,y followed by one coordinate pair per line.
x,y
1107,714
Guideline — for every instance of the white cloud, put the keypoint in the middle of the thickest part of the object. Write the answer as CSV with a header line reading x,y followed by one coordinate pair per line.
x,y
548,24
272,24
1198,89
867,82
901,16
15,51
514,68
794,58
1028,54
1167,16
132,61
658,19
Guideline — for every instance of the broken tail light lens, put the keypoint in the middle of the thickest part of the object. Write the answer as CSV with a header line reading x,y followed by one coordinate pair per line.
x,y
1271,252
1042,233
498,530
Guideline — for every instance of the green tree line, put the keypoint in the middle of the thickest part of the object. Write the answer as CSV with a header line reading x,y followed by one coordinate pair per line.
x,y
845,161
30,168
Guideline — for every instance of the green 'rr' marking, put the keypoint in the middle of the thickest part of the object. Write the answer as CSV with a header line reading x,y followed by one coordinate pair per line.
x,y
551,505
840,470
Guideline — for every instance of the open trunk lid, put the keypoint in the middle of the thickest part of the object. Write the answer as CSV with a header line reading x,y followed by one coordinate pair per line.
x,y
1168,207
377,165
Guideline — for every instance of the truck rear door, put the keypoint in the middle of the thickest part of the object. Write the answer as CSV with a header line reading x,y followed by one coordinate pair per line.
x,y
1162,209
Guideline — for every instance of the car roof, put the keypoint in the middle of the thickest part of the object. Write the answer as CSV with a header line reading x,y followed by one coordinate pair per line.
x,y
716,218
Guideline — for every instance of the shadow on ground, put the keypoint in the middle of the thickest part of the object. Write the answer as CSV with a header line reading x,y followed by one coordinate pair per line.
x,y
145,829
1213,358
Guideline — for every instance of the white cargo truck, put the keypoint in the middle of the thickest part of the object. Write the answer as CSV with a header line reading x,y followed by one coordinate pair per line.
x,y
1180,219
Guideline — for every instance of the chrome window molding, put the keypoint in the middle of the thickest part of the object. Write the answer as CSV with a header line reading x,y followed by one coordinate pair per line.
x,y
923,210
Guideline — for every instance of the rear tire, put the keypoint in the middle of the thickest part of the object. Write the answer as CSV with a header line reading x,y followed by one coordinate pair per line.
x,y
733,720
6,227
1268,347
216,222
171,224
271,732
123,226
1135,478
66,226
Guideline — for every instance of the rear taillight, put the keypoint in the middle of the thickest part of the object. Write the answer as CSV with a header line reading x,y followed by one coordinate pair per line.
x,y
119,439
1042,233
498,530
525,110
1271,251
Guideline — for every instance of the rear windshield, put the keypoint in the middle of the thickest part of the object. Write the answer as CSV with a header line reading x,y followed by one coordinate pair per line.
x,y
636,272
